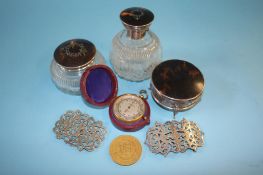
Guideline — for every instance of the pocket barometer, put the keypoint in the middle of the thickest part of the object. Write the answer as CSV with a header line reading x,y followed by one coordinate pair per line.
x,y
130,112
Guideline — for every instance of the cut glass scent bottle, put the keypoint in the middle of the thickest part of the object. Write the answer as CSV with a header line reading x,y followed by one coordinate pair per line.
x,y
135,50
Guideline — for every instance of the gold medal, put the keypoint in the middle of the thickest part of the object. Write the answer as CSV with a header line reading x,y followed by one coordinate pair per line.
x,y
125,150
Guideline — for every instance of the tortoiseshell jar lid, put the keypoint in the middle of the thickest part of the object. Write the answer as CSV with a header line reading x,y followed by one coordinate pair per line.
x,y
71,59
136,16
99,85
75,53
177,84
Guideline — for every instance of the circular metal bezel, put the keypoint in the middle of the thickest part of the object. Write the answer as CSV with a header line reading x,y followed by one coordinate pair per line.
x,y
177,105
124,97
131,126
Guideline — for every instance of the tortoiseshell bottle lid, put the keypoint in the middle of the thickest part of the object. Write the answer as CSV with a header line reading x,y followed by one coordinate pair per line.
x,y
75,53
136,16
137,21
178,79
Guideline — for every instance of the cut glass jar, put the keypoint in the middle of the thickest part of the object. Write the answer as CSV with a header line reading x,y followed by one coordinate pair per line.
x,y
71,59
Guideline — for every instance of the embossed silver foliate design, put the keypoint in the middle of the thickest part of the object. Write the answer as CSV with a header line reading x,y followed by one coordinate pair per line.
x,y
174,136
80,130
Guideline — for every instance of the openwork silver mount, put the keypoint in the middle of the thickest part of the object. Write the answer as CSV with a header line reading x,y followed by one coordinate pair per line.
x,y
174,136
80,130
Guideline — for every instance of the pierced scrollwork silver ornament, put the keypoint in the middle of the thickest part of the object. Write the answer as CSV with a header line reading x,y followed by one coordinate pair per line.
x,y
80,130
174,136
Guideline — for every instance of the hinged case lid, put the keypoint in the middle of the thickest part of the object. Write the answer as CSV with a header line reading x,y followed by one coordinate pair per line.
x,y
99,85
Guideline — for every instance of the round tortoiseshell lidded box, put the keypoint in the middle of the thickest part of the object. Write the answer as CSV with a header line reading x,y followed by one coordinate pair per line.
x,y
177,85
